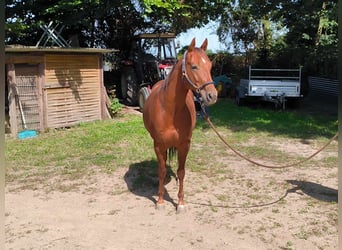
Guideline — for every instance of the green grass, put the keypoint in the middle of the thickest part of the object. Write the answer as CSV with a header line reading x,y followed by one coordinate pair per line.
x,y
124,142
245,121
109,144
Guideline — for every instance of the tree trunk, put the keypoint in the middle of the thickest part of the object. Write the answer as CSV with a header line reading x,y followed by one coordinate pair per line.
x,y
320,24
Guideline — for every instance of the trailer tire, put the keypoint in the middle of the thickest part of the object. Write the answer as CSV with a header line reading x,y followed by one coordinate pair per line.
x,y
144,93
129,86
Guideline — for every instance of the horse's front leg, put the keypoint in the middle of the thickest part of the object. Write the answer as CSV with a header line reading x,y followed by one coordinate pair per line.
x,y
182,154
161,156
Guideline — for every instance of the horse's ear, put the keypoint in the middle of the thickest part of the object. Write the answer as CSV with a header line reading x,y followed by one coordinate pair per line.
x,y
204,44
192,44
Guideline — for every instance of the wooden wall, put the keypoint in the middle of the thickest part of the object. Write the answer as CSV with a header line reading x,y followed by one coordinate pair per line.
x,y
72,89
69,89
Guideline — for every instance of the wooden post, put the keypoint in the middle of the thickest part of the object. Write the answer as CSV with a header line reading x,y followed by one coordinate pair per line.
x,y
41,97
103,93
12,98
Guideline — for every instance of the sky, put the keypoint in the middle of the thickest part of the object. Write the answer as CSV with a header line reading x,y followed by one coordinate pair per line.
x,y
208,31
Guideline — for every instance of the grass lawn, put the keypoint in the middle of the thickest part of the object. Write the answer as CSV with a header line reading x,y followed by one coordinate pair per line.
x,y
118,143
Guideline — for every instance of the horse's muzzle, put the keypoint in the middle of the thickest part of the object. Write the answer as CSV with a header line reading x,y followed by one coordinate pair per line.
x,y
209,97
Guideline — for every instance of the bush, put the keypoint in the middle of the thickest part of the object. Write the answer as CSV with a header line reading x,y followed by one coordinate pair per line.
x,y
115,106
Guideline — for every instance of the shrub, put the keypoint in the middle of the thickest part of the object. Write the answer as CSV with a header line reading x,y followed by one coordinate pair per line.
x,y
115,106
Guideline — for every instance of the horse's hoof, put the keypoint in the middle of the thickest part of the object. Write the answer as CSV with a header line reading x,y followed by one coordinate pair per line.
x,y
160,206
181,209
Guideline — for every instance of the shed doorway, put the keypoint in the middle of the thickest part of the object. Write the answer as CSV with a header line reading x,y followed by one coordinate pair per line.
x,y
23,101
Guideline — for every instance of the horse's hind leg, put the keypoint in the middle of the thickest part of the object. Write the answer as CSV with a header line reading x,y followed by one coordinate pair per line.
x,y
161,156
182,154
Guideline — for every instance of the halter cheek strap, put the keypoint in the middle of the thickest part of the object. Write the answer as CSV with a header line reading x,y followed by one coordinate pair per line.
x,y
185,75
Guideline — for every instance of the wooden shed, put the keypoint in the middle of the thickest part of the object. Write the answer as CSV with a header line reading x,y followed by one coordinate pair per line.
x,y
54,87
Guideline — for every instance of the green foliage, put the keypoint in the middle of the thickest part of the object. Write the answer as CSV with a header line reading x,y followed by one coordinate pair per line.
x,y
97,23
240,25
115,106
104,23
169,6
284,34
269,33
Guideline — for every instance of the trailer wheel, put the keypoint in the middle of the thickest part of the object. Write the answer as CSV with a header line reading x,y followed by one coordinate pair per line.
x,y
144,92
129,86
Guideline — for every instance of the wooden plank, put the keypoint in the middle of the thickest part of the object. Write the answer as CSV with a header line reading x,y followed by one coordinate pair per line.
x,y
71,96
56,85
71,99
72,109
70,119
41,103
72,89
75,110
105,102
66,119
83,61
12,99
23,58
73,117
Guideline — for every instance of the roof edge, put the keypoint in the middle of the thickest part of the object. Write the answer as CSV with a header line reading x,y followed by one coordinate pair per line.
x,y
23,49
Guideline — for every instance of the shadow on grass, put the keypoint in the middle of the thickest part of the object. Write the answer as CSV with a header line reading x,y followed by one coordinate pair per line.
x,y
142,180
291,123
316,191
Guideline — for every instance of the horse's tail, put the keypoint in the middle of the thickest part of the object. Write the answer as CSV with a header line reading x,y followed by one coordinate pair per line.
x,y
171,154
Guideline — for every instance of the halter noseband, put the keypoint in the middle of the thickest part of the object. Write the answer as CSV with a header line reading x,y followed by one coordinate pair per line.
x,y
197,89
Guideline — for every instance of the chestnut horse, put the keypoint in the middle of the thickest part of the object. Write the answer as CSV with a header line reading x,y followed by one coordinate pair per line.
x,y
169,112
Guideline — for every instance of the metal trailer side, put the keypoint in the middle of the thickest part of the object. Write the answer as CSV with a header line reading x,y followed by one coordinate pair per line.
x,y
273,85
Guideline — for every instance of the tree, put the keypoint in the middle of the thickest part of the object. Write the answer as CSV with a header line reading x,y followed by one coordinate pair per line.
x,y
286,33
241,27
104,23
311,39
97,23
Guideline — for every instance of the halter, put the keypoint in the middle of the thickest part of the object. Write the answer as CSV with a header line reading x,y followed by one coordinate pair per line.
x,y
197,89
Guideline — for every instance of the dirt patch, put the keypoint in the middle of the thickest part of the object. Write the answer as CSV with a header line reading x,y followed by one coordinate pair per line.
x,y
131,110
242,207
246,208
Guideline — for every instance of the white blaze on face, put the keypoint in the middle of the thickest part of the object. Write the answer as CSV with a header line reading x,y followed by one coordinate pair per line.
x,y
203,60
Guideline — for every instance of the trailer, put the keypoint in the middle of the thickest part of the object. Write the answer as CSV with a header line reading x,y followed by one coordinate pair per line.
x,y
272,85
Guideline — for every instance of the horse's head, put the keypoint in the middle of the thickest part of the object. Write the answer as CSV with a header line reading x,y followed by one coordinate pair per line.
x,y
196,68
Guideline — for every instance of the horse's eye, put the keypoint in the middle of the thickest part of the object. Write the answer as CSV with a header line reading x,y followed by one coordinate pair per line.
x,y
194,67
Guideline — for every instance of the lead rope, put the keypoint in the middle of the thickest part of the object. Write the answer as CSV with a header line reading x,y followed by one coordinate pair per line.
x,y
257,163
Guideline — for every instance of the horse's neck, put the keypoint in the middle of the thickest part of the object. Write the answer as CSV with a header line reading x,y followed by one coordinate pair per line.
x,y
175,91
